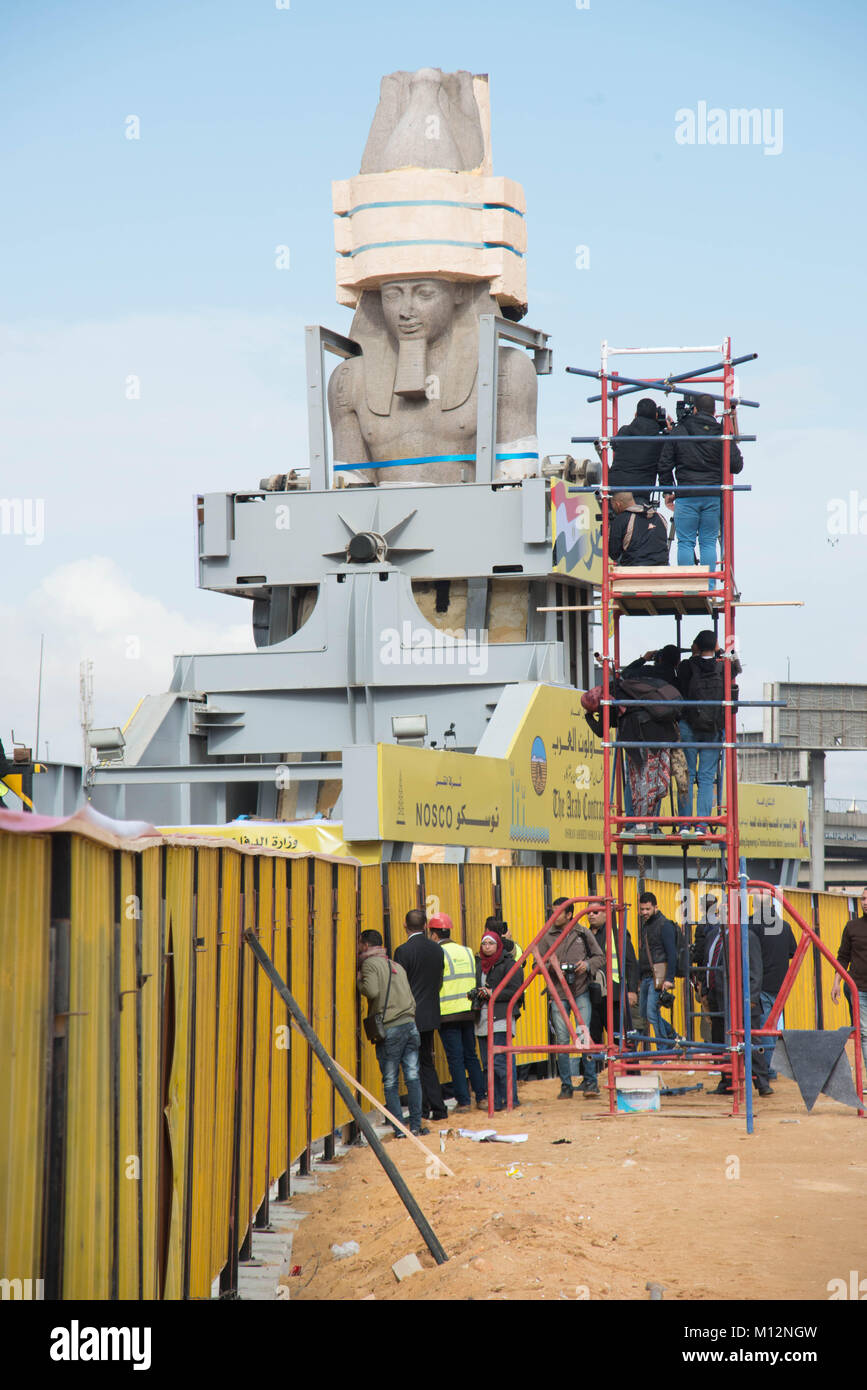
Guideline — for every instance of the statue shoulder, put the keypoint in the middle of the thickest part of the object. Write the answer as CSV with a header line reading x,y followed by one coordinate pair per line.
x,y
516,369
344,384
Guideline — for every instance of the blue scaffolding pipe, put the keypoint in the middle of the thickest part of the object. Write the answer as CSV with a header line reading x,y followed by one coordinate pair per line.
x,y
670,1049
741,704
682,743
632,384
658,438
707,488
745,972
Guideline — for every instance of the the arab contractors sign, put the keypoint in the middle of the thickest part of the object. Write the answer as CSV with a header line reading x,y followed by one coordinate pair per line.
x,y
546,794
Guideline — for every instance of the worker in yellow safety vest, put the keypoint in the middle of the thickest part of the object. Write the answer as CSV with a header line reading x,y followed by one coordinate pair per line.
x,y
457,1024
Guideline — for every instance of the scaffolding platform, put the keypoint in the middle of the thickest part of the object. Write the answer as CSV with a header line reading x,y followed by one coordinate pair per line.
x,y
665,590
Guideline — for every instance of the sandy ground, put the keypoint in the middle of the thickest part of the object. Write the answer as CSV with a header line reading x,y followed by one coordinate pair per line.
x,y
684,1197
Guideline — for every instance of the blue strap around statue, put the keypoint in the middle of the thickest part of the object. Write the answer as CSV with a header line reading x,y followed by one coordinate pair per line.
x,y
429,458
817,1061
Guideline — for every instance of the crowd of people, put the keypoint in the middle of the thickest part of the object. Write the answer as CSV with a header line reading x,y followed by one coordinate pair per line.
x,y
436,984
653,454
681,702
450,989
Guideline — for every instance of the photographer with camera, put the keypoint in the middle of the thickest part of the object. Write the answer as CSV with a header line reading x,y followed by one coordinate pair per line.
x,y
694,453
635,464
599,987
493,963
580,957
657,956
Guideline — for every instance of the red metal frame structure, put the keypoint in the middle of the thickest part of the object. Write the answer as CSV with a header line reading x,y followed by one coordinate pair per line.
x,y
662,596
808,935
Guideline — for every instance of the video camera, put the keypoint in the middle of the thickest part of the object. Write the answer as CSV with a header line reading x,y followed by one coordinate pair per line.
x,y
684,408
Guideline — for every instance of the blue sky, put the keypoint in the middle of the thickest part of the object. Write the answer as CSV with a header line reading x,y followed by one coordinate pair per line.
x,y
155,257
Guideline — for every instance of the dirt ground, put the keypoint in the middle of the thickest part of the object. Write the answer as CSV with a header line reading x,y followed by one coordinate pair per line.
x,y
684,1198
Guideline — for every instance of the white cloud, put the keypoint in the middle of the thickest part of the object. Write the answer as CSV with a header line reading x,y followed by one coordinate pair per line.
x,y
89,609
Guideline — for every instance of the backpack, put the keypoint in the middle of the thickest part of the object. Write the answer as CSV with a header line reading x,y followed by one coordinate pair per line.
x,y
707,682
645,687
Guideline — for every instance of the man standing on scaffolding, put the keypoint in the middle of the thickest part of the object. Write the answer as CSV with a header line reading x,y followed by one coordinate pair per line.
x,y
635,464
694,452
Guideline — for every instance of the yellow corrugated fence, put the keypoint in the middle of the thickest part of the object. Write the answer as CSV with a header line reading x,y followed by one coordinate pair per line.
x,y
177,1092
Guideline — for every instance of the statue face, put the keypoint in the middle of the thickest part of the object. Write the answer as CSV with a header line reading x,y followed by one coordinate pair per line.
x,y
419,308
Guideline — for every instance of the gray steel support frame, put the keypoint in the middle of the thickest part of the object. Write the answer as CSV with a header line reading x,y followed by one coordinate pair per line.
x,y
492,330
253,542
365,654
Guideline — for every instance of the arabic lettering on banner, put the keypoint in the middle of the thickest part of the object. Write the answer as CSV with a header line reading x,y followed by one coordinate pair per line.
x,y
547,793
437,797
556,772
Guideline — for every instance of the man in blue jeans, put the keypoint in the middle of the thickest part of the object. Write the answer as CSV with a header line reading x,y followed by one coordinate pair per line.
x,y
384,983
657,964
694,452
457,1019
580,957
702,678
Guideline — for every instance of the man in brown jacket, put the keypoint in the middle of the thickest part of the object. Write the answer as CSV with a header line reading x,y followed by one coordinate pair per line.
x,y
580,957
384,983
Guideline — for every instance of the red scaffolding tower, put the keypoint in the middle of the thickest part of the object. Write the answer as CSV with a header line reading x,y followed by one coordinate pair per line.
x,y
668,591
674,591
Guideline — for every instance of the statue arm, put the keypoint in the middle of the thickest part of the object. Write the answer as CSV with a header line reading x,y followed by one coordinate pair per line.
x,y
348,442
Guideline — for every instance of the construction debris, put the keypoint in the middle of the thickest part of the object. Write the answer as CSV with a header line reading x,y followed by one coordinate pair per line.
x,y
410,1264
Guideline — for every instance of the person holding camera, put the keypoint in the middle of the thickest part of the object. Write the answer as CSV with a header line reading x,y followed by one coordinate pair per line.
x,y
694,453
580,958
636,462
657,956
599,986
390,1023
493,964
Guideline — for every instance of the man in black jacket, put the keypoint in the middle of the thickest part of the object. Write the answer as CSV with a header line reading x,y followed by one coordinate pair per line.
x,y
635,463
717,981
702,677
778,944
657,963
694,453
423,961
852,955
637,534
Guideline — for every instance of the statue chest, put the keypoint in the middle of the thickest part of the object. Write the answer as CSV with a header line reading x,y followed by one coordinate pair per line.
x,y
419,429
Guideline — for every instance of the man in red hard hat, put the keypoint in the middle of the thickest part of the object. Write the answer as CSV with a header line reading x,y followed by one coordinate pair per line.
x,y
457,1023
